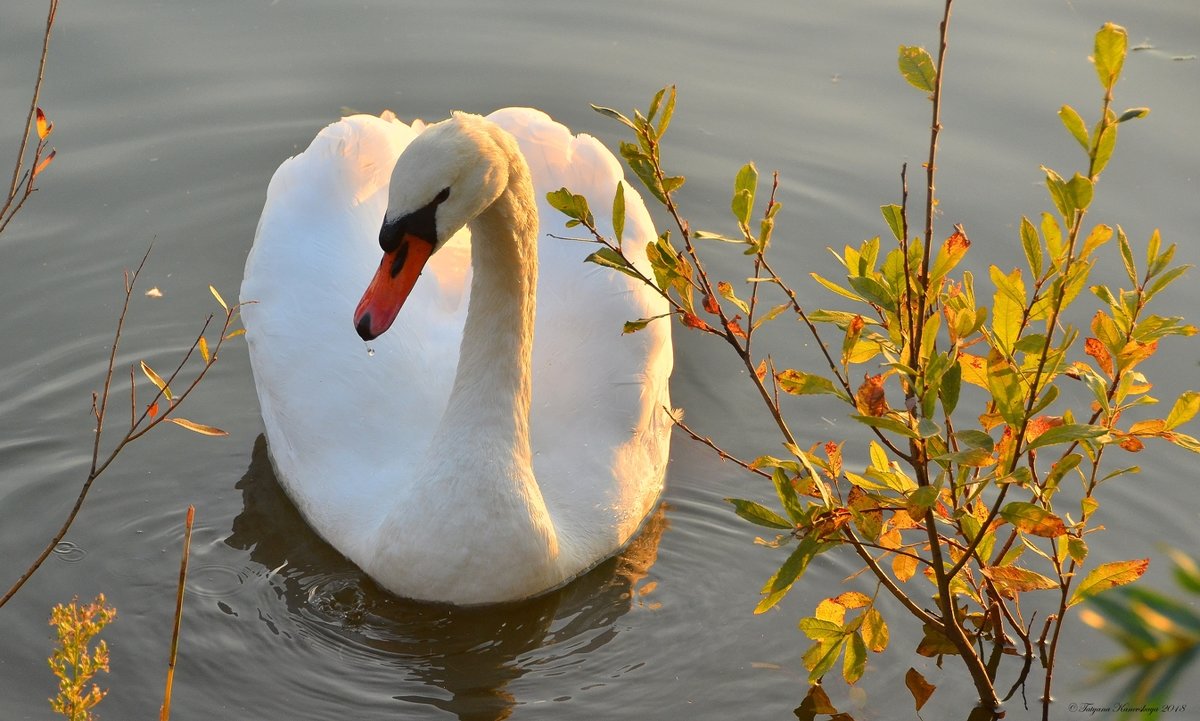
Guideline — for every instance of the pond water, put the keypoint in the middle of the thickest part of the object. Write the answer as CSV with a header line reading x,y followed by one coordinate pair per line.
x,y
171,117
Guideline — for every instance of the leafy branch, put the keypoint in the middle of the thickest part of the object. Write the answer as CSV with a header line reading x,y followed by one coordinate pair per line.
x,y
25,172
950,373
163,406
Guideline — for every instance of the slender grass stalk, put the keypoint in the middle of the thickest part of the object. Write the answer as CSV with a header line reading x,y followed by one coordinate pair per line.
x,y
165,713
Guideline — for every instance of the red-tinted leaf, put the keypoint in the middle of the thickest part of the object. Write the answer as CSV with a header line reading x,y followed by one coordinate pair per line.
x,y
152,410
1033,519
710,304
1096,349
870,398
691,320
43,126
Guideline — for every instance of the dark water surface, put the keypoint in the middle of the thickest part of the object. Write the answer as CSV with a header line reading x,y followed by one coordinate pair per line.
x,y
170,119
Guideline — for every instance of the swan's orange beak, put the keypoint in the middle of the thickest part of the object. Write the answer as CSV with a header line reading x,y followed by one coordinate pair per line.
x,y
397,274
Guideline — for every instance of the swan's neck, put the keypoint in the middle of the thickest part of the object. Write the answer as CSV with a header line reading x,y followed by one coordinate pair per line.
x,y
488,411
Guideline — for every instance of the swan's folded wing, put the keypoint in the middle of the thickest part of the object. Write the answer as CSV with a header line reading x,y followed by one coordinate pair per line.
x,y
599,431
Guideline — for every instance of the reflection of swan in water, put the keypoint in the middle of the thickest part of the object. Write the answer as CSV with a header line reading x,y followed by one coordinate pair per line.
x,y
471,653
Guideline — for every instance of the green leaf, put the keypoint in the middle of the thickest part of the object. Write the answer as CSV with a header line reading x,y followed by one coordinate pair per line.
x,y
1074,125
1032,246
921,501
791,570
1109,575
819,629
800,383
951,387
1133,113
610,258
618,212
916,65
633,326
1066,433
1033,519
744,186
788,497
571,205
610,113
1165,279
887,424
1008,308
759,514
894,215
1105,144
1185,408
837,288
1077,549
1109,54
855,661
1005,386
668,110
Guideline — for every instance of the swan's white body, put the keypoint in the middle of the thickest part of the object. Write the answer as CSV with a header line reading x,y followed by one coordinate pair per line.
x,y
486,478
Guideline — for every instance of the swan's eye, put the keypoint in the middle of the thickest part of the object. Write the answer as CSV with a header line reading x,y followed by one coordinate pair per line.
x,y
441,197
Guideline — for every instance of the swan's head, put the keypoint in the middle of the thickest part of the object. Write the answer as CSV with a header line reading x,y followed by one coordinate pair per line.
x,y
447,176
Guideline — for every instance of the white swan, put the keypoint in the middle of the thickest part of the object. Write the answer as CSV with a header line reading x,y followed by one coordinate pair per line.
x,y
478,453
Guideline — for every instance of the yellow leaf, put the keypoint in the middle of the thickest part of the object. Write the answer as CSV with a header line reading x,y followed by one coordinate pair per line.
x,y
219,298
1109,575
43,126
235,333
904,567
204,350
157,380
198,427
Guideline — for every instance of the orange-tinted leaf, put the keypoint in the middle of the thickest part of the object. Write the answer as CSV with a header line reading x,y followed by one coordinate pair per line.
x,y
852,599
735,328
1040,425
691,320
1011,580
1096,349
905,567
833,451
203,344
870,398
917,685
1109,575
1135,352
152,410
198,427
1033,519
761,369
45,163
1133,444
710,304
1151,427
856,325
43,127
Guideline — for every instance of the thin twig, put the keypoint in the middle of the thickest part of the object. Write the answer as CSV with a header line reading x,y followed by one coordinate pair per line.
x,y
165,713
